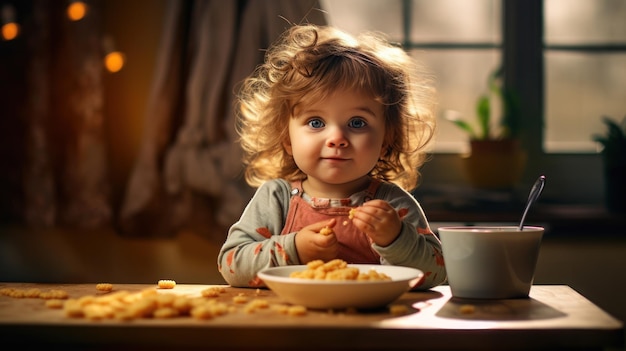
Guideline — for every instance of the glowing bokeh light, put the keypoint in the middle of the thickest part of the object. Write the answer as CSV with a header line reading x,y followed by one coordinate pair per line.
x,y
10,31
76,10
114,61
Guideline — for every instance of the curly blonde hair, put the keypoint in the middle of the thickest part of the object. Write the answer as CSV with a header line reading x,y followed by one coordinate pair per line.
x,y
310,62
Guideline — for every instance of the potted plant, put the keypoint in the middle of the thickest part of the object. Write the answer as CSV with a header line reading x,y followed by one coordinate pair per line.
x,y
614,160
495,159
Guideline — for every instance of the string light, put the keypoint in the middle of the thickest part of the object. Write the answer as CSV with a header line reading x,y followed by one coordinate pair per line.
x,y
10,29
113,60
76,10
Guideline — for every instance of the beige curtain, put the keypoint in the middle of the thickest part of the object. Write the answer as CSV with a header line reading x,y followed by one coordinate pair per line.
x,y
189,171
65,173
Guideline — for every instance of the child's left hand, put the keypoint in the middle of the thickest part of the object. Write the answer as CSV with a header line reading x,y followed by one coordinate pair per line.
x,y
379,220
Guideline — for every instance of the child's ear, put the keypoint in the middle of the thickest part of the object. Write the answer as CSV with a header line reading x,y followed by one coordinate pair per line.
x,y
287,146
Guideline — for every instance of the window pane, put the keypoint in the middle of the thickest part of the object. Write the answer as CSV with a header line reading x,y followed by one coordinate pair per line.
x,y
355,16
461,78
580,88
585,21
456,21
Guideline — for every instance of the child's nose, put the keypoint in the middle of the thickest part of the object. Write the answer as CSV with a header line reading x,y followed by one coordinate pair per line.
x,y
337,138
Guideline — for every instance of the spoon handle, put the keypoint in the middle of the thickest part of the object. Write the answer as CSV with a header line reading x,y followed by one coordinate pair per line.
x,y
534,194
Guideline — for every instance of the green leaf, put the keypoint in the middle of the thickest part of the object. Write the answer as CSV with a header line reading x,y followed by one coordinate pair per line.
x,y
483,111
466,127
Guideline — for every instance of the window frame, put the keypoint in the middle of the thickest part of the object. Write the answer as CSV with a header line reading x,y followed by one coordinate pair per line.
x,y
574,178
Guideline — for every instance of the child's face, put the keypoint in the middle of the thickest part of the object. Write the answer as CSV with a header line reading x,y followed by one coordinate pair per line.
x,y
339,139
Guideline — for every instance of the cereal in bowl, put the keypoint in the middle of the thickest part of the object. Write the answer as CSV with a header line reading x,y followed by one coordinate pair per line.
x,y
337,269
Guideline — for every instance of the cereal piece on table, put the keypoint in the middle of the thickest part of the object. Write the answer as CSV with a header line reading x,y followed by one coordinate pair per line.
x,y
280,308
98,312
54,294
165,300
73,308
296,310
165,312
104,286
33,293
241,298
398,310
166,284
467,309
260,303
326,231
182,304
54,303
6,291
125,315
16,293
213,291
143,307
202,312
220,309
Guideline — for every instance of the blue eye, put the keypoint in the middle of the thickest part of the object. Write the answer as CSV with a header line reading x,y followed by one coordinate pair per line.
x,y
357,123
315,123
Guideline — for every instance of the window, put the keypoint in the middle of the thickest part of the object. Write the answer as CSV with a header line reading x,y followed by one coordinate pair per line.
x,y
459,40
582,75
585,70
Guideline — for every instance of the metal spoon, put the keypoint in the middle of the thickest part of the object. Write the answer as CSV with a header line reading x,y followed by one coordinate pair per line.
x,y
534,194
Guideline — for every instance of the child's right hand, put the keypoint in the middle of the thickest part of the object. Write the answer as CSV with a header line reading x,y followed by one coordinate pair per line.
x,y
312,245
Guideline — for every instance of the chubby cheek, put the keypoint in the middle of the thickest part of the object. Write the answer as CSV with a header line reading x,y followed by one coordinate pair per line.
x,y
304,148
370,148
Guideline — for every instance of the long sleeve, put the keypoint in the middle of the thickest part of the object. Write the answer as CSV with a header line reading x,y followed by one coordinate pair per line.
x,y
416,246
254,242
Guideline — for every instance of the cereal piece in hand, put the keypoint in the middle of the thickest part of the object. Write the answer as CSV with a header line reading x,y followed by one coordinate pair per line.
x,y
352,212
326,231
104,287
166,284
350,215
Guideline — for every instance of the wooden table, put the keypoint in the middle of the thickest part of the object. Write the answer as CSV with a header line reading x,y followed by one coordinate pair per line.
x,y
554,317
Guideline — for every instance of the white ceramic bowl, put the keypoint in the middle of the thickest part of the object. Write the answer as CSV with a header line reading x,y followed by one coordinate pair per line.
x,y
490,262
323,294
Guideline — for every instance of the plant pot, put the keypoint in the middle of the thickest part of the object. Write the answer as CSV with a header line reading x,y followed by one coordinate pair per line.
x,y
494,164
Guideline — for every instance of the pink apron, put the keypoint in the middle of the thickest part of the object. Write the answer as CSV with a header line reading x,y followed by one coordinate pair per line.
x,y
355,246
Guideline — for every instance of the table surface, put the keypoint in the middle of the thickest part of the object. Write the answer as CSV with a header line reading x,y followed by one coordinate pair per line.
x,y
555,316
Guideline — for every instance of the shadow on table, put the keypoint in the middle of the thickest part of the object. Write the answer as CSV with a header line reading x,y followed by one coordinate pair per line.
x,y
523,309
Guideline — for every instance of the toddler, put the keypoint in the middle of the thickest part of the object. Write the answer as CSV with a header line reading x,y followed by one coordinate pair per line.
x,y
333,129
